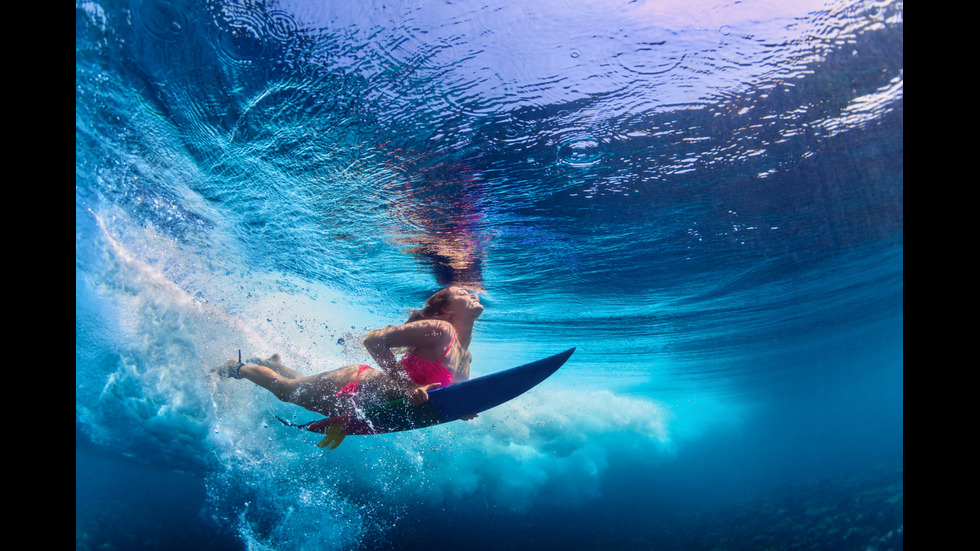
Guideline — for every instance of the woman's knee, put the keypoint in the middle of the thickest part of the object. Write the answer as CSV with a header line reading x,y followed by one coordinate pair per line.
x,y
287,390
307,391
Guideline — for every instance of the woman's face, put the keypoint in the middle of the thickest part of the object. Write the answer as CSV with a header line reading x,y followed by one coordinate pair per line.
x,y
463,301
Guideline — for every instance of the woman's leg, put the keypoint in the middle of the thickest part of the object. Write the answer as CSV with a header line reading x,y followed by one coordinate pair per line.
x,y
275,363
322,393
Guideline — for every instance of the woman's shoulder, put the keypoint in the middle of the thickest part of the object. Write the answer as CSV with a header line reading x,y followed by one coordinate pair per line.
x,y
415,334
426,333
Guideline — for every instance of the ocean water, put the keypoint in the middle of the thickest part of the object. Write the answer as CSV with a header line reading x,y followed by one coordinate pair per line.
x,y
704,197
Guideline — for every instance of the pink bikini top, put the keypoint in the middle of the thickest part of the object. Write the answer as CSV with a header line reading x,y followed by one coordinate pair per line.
x,y
425,372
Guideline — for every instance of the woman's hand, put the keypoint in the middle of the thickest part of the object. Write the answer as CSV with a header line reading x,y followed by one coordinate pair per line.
x,y
420,395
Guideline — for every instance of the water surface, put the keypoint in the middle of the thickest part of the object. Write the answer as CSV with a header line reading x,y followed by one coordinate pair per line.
x,y
706,199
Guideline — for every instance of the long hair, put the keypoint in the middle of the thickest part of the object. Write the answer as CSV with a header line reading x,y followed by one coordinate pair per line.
x,y
435,307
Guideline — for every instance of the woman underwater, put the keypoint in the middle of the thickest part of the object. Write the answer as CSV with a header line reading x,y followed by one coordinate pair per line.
x,y
437,340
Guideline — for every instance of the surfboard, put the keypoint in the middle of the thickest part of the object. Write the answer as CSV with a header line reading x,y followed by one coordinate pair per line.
x,y
445,404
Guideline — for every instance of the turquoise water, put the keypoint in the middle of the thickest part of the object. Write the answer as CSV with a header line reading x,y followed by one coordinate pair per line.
x,y
706,199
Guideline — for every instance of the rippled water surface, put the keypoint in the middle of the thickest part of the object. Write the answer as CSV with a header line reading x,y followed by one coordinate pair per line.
x,y
705,198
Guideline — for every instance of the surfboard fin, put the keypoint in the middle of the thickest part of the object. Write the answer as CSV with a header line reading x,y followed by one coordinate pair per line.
x,y
334,437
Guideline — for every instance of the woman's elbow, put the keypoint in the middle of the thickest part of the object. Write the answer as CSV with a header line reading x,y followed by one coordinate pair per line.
x,y
375,342
370,341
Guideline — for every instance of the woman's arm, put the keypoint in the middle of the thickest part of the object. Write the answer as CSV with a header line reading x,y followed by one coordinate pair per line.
x,y
377,345
463,373
417,335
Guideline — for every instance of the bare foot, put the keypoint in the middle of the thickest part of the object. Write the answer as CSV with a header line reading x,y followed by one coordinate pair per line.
x,y
272,361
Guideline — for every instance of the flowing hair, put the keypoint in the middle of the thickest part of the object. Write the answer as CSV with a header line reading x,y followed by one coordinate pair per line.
x,y
435,307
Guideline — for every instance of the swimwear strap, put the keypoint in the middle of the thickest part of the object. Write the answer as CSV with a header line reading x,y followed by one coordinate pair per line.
x,y
350,389
448,348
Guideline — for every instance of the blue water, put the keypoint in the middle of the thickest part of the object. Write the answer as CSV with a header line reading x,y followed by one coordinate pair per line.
x,y
705,198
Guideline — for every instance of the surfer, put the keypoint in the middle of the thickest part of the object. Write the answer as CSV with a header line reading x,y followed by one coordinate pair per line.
x,y
436,340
